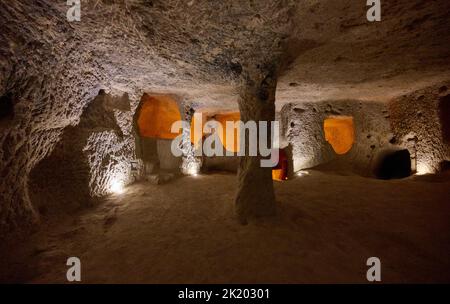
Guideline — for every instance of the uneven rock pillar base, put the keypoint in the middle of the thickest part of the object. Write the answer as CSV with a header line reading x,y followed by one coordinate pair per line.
x,y
255,196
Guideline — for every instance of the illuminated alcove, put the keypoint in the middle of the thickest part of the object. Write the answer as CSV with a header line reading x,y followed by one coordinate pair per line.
x,y
339,133
154,119
228,137
156,116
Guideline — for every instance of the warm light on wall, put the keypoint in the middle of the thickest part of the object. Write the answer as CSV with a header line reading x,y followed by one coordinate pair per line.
x,y
197,124
156,116
339,133
229,137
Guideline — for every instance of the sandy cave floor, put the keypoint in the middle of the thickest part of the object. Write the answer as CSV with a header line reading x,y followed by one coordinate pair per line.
x,y
185,232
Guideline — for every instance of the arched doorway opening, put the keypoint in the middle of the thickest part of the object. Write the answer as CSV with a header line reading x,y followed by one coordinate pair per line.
x,y
393,164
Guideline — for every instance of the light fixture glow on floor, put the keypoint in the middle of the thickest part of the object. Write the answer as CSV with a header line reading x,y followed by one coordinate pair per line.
x,y
302,173
117,187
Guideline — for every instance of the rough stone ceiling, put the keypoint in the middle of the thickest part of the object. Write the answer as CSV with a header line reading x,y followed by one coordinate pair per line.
x,y
331,51
351,58
198,48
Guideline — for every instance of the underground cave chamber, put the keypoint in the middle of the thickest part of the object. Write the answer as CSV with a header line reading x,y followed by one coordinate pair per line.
x,y
88,167
114,146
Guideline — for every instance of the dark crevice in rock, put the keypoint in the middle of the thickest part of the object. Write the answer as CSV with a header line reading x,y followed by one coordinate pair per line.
x,y
6,107
444,115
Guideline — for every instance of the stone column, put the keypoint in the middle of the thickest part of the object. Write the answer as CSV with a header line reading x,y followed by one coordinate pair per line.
x,y
191,164
255,196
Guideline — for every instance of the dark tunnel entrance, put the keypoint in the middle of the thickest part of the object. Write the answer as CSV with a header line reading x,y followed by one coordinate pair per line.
x,y
393,165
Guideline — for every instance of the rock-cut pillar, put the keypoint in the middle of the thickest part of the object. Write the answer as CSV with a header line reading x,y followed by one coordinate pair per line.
x,y
191,164
255,196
